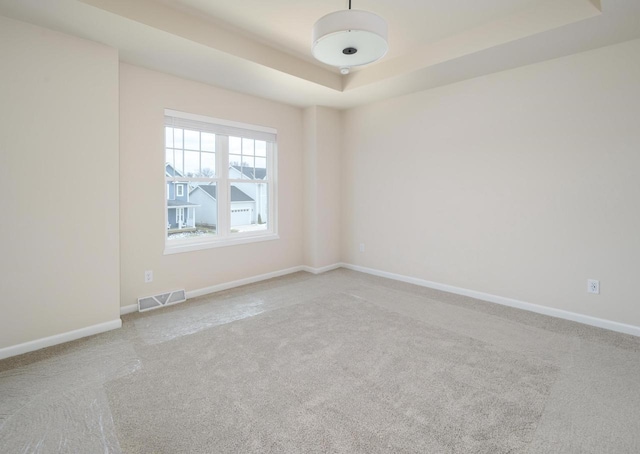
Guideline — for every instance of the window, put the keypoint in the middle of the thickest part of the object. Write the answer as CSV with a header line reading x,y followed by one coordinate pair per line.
x,y
220,182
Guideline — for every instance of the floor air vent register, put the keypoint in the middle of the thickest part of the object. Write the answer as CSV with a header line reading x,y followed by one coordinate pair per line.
x,y
164,299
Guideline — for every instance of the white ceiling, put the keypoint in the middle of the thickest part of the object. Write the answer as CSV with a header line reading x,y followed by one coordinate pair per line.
x,y
287,24
263,47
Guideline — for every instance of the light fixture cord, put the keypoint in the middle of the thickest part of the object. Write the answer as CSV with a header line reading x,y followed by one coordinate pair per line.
x,y
349,4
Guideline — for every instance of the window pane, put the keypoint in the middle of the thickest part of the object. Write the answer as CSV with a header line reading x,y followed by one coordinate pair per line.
x,y
192,163
248,164
197,216
177,138
191,140
208,164
169,157
261,148
235,160
235,145
249,207
248,147
168,137
208,141
179,165
261,168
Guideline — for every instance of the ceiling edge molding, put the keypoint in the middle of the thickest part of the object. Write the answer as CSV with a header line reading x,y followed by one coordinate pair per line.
x,y
545,16
201,31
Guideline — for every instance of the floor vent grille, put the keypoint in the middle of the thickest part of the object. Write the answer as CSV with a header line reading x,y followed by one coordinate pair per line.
x,y
163,299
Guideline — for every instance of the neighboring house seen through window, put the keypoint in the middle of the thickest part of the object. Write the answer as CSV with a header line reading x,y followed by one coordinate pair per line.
x,y
220,182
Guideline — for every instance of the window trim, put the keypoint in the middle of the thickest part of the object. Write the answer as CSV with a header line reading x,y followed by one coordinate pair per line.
x,y
223,181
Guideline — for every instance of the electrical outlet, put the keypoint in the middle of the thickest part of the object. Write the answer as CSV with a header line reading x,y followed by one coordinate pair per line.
x,y
148,276
361,247
593,286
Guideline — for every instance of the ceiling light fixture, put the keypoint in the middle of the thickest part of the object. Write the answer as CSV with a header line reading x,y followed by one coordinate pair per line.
x,y
349,38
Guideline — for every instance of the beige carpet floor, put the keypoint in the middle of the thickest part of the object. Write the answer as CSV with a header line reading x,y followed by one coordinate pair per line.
x,y
337,363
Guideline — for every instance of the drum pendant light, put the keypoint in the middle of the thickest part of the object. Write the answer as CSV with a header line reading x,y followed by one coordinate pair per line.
x,y
349,38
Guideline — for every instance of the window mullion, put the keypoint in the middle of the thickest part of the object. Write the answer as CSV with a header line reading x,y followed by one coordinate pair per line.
x,y
222,148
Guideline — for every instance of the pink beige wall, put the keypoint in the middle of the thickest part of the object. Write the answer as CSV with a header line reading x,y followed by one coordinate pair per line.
x,y
59,185
144,94
322,186
521,184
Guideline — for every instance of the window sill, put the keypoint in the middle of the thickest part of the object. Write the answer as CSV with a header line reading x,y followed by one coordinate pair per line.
x,y
216,243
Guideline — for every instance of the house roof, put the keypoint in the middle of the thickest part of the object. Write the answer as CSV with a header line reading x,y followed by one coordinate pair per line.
x,y
180,203
236,194
171,171
253,173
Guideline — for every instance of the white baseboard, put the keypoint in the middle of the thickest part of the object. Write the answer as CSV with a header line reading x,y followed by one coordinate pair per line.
x,y
240,282
552,312
124,310
323,269
558,313
37,344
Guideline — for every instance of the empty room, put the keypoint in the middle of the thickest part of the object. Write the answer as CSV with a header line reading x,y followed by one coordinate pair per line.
x,y
335,226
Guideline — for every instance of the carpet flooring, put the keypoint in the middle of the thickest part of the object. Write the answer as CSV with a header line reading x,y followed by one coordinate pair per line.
x,y
337,363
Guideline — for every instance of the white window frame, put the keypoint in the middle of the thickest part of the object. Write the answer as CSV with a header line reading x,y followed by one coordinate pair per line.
x,y
179,193
223,237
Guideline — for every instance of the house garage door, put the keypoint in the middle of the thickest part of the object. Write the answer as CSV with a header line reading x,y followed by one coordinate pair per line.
x,y
241,216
